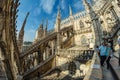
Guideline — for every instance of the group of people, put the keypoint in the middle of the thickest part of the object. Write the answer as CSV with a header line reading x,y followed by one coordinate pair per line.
x,y
105,51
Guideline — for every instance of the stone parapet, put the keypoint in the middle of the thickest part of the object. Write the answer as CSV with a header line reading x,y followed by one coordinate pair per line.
x,y
95,70
115,67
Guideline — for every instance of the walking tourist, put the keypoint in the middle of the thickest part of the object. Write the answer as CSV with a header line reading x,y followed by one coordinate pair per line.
x,y
102,50
109,54
110,40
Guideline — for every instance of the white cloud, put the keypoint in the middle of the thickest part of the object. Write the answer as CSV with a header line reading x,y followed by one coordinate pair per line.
x,y
47,5
63,4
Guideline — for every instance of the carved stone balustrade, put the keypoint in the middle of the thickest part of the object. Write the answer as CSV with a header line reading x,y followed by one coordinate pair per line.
x,y
84,30
84,54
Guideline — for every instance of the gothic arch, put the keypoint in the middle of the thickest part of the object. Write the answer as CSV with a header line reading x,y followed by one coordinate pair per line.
x,y
72,68
81,24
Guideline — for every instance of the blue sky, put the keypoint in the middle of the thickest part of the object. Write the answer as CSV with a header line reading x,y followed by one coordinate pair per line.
x,y
42,10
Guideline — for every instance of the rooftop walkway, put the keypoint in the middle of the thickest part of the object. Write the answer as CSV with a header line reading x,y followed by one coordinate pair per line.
x,y
115,68
114,72
102,73
107,74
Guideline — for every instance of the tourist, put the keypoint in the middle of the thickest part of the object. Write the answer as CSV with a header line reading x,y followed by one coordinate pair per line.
x,y
102,50
109,54
110,40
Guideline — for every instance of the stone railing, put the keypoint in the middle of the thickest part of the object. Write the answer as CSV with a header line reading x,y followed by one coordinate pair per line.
x,y
74,53
95,70
69,53
84,30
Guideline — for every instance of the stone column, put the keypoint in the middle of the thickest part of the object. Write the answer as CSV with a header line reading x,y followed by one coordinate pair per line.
x,y
44,55
68,34
39,57
58,30
95,21
52,48
96,31
58,41
47,53
1,25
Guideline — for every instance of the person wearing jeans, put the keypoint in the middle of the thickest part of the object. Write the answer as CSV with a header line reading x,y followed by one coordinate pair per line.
x,y
102,51
109,54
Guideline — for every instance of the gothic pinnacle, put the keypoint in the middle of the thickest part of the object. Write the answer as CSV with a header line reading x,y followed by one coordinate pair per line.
x,y
70,10
21,33
87,5
58,12
25,21
46,24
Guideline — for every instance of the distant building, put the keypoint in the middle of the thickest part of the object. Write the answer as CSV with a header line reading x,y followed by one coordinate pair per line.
x,y
26,44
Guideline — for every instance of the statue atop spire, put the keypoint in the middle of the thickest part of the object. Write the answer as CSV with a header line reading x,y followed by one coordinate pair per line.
x,y
21,33
70,10
58,21
87,5
45,30
58,15
41,25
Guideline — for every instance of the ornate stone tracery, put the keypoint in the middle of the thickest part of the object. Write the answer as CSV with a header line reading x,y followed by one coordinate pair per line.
x,y
83,39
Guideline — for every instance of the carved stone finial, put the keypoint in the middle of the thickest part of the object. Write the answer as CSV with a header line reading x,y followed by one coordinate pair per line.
x,y
70,9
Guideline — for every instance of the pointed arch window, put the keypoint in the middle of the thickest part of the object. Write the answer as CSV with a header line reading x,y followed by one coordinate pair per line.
x,y
83,39
81,24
